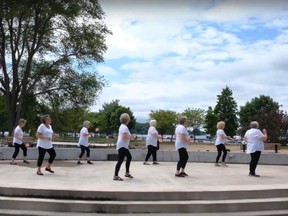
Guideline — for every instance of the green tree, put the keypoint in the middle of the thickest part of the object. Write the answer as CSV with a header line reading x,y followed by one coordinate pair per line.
x,y
3,114
268,114
166,121
141,128
109,117
226,110
196,119
43,44
211,120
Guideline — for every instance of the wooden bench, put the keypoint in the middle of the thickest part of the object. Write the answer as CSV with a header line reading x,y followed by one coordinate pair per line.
x,y
267,146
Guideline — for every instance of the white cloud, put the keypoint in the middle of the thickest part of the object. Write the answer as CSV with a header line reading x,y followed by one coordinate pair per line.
x,y
204,58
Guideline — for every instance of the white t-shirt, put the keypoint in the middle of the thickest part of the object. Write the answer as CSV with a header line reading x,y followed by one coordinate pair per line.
x,y
180,129
46,132
150,139
19,133
121,142
83,140
254,142
220,140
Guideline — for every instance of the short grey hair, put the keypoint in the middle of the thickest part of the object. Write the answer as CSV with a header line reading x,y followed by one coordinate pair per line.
x,y
85,123
254,124
182,120
124,118
153,122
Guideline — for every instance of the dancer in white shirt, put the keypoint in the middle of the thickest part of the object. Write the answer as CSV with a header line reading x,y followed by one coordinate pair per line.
x,y
19,142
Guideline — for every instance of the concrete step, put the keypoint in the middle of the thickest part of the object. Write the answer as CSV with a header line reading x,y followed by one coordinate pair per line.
x,y
9,212
143,195
188,206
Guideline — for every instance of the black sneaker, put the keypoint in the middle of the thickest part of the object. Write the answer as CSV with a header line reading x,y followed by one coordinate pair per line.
x,y
25,161
254,175
155,163
89,162
184,174
179,175
79,163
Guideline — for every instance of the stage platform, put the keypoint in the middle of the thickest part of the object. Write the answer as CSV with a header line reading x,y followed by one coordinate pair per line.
x,y
87,189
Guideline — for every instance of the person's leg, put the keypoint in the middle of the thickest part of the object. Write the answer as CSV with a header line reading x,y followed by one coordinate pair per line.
x,y
24,149
15,154
52,154
180,162
154,155
88,155
257,157
150,149
121,156
218,155
128,162
41,154
185,159
253,163
224,150
81,154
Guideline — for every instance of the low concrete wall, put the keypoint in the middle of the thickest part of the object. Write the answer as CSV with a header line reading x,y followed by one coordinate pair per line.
x,y
139,155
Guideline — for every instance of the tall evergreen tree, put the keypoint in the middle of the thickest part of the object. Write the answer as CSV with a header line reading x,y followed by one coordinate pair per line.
x,y
211,120
226,110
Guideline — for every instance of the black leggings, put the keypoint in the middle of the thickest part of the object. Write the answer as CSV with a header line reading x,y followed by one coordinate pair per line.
x,y
221,148
183,158
254,161
122,153
17,147
151,150
83,149
42,153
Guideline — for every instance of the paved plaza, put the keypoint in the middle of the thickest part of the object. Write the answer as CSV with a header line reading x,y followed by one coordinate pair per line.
x,y
97,179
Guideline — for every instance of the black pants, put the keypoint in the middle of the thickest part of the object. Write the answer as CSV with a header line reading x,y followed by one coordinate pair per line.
x,y
221,148
183,158
42,153
122,153
17,147
83,149
254,161
152,150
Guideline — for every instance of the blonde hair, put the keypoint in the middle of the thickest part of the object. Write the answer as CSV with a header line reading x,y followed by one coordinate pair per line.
x,y
22,121
153,122
220,125
254,124
124,118
86,123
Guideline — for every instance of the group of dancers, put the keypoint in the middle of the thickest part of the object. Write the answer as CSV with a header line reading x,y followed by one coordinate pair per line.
x,y
253,137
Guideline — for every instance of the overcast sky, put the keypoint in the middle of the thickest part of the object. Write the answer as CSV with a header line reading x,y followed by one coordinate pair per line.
x,y
173,55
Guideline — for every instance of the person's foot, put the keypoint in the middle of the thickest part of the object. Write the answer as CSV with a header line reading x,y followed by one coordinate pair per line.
x,y
39,173
254,175
223,164
49,170
79,163
155,163
179,175
128,175
145,163
217,165
13,163
25,161
89,162
117,178
183,173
